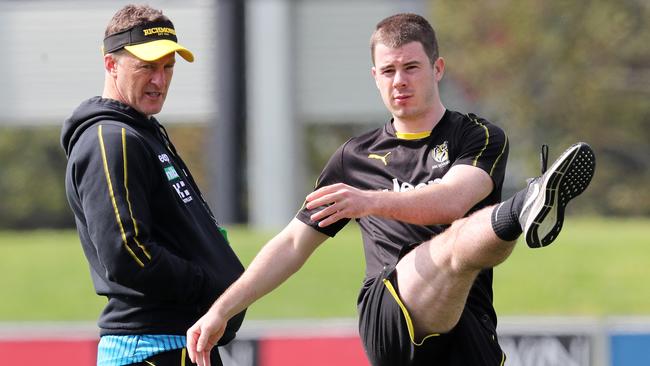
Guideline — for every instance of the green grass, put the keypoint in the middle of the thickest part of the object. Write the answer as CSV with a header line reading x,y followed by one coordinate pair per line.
x,y
326,286
45,277
597,267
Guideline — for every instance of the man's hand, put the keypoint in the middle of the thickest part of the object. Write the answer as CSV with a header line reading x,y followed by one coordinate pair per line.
x,y
204,335
340,201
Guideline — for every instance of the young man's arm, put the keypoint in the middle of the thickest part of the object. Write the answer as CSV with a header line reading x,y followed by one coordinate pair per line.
x,y
441,203
281,257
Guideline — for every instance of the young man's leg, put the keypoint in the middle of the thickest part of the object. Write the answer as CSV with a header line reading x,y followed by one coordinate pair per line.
x,y
434,280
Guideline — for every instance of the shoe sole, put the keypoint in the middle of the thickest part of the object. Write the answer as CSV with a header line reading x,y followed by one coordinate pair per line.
x,y
567,178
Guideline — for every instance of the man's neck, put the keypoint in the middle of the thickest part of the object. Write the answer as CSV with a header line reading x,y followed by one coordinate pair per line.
x,y
420,124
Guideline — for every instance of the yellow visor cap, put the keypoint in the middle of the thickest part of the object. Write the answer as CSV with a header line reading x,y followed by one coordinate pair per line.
x,y
154,50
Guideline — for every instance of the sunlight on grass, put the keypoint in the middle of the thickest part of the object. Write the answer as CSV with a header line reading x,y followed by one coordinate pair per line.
x,y
598,266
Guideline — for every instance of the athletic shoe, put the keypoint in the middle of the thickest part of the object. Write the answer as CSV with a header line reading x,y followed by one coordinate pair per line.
x,y
542,214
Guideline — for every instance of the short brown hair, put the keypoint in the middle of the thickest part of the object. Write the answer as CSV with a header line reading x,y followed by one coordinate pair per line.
x,y
400,29
132,15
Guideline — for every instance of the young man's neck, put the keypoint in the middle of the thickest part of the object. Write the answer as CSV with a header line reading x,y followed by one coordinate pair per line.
x,y
421,123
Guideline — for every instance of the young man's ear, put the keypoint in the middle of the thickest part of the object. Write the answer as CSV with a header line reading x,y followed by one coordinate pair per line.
x,y
439,68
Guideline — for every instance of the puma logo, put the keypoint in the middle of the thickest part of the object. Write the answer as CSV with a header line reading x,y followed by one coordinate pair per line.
x,y
379,157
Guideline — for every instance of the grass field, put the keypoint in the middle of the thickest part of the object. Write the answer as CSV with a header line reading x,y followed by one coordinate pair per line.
x,y
597,267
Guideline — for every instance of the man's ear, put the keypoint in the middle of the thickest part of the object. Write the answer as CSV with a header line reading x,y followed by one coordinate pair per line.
x,y
373,71
110,64
439,68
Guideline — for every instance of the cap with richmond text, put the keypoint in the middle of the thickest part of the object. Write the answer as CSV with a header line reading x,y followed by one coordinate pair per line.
x,y
148,41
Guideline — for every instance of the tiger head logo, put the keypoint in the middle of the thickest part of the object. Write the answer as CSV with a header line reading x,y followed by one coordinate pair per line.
x,y
441,153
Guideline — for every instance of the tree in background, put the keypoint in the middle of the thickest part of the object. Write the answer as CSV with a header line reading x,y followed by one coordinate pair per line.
x,y
556,72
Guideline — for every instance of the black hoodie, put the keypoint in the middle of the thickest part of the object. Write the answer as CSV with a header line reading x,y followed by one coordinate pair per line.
x,y
154,248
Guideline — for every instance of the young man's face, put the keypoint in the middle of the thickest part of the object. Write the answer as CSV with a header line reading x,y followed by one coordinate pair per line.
x,y
406,80
143,84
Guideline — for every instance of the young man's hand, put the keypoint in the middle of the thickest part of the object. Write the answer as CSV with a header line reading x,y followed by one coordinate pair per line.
x,y
340,201
204,335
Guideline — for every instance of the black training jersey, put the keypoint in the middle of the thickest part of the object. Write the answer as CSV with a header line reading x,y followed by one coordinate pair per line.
x,y
379,160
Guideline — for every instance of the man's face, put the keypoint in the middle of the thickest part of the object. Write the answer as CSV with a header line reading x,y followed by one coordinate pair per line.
x,y
143,84
406,80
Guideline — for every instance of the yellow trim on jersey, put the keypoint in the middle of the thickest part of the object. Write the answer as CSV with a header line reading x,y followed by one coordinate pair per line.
x,y
407,316
126,188
112,195
505,143
487,140
183,354
503,359
412,135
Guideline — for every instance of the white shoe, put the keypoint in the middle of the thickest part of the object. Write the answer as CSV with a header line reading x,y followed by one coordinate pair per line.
x,y
542,215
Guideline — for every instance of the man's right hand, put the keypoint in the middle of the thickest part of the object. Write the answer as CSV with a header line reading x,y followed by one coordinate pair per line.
x,y
204,335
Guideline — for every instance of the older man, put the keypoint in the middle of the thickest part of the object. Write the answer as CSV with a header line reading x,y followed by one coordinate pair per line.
x,y
154,248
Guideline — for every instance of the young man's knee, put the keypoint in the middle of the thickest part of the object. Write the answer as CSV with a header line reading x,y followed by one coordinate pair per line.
x,y
456,258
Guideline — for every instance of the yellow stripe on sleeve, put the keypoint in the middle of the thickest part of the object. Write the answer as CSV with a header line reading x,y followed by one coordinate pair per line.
x,y
505,143
487,140
126,188
112,195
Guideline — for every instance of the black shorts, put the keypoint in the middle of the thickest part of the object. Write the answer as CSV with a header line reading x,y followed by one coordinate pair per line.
x,y
386,332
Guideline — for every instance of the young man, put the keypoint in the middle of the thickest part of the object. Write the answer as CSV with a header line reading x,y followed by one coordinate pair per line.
x,y
424,190
153,246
